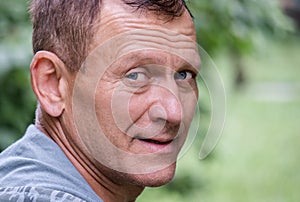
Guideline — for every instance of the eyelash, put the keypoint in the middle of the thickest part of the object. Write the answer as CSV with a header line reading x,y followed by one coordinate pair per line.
x,y
136,74
139,77
193,75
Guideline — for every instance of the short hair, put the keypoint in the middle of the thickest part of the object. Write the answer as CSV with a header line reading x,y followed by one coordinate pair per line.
x,y
169,8
67,27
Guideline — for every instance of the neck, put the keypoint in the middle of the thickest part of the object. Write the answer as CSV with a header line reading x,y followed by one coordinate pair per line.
x,y
103,186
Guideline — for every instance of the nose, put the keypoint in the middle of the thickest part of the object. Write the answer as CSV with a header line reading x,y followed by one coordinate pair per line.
x,y
166,106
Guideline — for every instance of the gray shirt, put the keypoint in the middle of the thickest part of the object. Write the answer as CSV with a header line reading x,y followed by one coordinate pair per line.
x,y
36,169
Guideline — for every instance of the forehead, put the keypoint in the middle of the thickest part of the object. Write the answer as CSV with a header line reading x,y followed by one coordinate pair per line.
x,y
117,17
123,30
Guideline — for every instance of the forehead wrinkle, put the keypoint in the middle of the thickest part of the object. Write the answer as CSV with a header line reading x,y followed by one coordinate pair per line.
x,y
117,18
180,46
116,27
164,41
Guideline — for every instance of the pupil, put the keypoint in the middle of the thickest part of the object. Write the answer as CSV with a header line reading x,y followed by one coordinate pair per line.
x,y
180,75
132,76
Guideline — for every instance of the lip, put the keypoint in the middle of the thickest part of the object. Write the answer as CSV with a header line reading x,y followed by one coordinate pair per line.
x,y
158,145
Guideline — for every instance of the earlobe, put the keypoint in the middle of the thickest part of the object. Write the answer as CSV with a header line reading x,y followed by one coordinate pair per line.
x,y
48,82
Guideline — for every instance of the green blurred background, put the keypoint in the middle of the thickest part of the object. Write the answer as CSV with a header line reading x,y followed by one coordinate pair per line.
x,y
256,47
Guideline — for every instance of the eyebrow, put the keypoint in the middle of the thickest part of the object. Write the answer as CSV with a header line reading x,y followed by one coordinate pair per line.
x,y
143,58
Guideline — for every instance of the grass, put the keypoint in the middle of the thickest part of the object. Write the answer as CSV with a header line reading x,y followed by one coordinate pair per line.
x,y
257,158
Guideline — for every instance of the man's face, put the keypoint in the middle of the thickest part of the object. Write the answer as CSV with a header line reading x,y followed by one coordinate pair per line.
x,y
137,94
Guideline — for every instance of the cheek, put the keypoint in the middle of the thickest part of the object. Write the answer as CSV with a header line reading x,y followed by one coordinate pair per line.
x,y
111,112
137,109
104,100
189,104
117,109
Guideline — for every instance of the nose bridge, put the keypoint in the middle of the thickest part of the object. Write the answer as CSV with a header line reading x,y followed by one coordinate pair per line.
x,y
167,103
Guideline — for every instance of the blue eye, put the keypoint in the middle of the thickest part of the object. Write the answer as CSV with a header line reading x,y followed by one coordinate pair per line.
x,y
132,76
136,78
183,75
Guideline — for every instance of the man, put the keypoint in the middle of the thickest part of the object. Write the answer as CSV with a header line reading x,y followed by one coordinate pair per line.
x,y
116,87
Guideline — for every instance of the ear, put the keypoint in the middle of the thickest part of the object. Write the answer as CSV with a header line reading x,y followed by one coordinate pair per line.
x,y
49,82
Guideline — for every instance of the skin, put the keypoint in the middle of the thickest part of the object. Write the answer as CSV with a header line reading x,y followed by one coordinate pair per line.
x,y
139,98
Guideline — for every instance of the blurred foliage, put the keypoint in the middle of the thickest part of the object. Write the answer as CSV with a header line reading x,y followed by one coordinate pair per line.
x,y
235,24
17,102
17,105
13,14
15,35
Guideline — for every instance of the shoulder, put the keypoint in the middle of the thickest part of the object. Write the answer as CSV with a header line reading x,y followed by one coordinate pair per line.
x,y
22,194
36,166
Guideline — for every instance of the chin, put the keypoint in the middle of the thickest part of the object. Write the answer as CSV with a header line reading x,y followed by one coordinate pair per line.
x,y
154,179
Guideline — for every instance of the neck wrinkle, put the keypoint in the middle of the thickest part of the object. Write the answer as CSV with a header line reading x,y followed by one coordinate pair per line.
x,y
105,188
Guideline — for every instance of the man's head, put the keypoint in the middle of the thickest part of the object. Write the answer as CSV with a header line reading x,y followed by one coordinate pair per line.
x,y
120,86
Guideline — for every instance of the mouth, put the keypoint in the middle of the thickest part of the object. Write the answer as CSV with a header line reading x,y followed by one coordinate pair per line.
x,y
158,142
161,145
